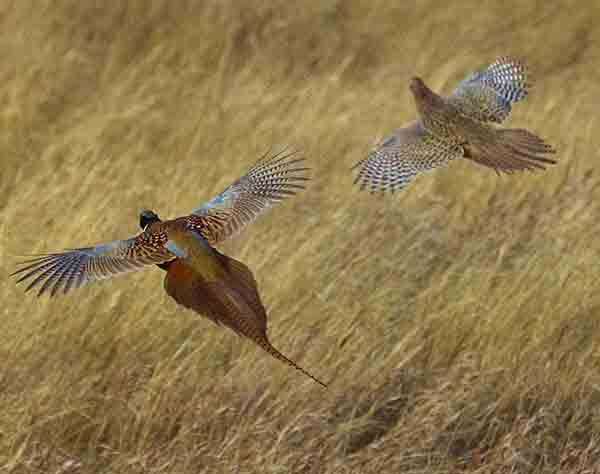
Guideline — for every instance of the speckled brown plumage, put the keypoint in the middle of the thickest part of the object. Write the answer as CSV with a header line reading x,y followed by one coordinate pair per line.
x,y
458,126
198,277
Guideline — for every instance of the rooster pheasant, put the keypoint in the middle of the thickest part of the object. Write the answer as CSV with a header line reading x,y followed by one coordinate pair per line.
x,y
198,277
458,126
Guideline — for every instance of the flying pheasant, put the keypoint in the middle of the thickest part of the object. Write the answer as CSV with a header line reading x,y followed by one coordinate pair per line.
x,y
198,276
458,126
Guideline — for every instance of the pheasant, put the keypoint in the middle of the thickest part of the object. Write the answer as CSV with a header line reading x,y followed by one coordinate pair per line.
x,y
458,126
198,276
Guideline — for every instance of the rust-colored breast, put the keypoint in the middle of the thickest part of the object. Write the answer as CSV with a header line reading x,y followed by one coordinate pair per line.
x,y
181,273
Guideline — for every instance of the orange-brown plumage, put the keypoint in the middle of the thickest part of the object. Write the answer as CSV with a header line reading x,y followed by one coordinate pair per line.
x,y
198,277
232,300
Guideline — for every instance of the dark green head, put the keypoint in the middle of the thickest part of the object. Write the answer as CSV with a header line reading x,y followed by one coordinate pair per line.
x,y
148,217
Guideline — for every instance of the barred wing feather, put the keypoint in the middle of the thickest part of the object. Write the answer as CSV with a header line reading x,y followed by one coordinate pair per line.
x,y
488,95
398,159
77,267
269,181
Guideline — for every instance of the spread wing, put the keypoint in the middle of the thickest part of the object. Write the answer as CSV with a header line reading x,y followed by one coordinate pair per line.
x,y
402,156
269,181
488,95
78,267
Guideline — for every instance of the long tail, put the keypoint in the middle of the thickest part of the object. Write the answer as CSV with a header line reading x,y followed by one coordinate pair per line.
x,y
266,345
511,150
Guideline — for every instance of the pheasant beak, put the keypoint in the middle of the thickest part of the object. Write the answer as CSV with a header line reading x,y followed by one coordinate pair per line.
x,y
147,217
417,87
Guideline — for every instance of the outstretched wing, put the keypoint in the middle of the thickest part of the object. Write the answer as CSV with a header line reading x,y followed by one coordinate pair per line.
x,y
488,95
77,267
399,158
266,183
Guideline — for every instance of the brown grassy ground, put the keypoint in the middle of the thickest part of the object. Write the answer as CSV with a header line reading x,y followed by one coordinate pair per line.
x,y
457,322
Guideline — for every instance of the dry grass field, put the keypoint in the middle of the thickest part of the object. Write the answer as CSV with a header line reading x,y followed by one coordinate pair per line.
x,y
457,322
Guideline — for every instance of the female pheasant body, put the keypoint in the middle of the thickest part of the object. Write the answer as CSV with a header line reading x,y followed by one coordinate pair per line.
x,y
458,126
438,117
505,150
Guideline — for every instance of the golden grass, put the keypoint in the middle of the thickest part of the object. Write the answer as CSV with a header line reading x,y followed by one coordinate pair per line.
x,y
457,322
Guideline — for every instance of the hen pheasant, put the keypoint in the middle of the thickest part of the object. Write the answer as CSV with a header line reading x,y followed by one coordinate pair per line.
x,y
198,276
458,126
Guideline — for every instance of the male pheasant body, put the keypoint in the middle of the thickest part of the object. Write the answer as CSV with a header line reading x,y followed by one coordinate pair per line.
x,y
458,126
198,277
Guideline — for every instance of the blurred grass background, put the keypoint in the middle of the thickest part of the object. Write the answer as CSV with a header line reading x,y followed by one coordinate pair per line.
x,y
456,322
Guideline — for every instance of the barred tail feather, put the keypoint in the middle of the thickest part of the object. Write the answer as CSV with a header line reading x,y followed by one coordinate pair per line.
x,y
512,150
266,345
